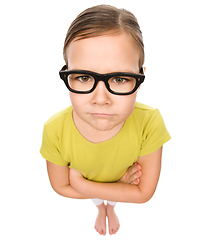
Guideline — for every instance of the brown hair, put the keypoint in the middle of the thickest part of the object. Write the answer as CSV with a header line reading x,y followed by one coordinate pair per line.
x,y
104,19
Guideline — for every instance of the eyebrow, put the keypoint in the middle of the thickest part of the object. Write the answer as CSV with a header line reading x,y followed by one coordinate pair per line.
x,y
122,71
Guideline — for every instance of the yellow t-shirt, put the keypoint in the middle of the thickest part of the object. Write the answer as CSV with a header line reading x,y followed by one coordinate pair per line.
x,y
143,133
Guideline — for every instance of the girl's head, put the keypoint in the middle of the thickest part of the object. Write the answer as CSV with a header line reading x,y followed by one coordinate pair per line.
x,y
103,40
104,20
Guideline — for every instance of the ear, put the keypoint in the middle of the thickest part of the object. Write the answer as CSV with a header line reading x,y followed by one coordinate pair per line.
x,y
143,70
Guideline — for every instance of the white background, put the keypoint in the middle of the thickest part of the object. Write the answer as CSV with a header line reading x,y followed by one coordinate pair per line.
x,y
32,35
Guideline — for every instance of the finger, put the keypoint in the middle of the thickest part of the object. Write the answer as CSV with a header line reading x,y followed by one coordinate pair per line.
x,y
139,167
140,173
135,176
133,169
136,181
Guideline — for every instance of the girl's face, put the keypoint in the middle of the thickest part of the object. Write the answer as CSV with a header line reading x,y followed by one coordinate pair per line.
x,y
102,110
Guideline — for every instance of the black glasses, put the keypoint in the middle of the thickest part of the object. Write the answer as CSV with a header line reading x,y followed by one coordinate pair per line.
x,y
83,82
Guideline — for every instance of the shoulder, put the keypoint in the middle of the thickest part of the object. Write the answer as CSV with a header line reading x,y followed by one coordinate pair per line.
x,y
142,113
148,120
59,118
143,107
153,130
147,115
54,133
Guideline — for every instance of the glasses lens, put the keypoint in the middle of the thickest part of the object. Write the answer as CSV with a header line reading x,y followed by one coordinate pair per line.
x,y
80,82
122,84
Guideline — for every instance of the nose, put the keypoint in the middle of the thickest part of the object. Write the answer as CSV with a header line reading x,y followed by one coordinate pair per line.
x,y
101,95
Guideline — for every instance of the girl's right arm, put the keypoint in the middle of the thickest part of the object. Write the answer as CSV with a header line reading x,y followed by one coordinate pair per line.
x,y
59,178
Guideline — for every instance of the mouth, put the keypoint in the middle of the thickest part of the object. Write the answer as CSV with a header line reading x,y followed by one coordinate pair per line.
x,y
103,115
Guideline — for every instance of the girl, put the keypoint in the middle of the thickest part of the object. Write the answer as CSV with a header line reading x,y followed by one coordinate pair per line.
x,y
90,146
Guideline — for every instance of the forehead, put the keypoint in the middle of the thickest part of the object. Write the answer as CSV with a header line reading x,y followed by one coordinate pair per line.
x,y
105,53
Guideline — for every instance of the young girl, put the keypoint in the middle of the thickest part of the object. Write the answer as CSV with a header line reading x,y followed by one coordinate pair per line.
x,y
90,146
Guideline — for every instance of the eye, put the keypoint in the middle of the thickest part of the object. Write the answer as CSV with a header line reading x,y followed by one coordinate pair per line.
x,y
84,78
119,80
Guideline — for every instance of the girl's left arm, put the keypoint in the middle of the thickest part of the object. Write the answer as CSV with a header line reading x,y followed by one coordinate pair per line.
x,y
123,192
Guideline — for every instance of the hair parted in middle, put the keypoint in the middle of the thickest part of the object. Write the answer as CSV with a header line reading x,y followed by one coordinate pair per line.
x,y
104,19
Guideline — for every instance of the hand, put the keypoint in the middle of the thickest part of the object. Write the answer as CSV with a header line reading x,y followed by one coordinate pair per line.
x,y
132,176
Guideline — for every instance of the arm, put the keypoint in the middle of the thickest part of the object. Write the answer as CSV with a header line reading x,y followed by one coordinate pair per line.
x,y
59,178
122,192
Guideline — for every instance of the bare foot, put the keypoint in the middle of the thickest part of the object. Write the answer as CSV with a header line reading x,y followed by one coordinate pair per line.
x,y
113,221
100,224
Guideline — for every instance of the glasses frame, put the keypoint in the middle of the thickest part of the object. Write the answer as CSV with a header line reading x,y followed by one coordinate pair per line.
x,y
101,77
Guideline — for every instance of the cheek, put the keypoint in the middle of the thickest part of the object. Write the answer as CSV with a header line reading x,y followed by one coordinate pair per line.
x,y
75,101
79,101
75,98
127,104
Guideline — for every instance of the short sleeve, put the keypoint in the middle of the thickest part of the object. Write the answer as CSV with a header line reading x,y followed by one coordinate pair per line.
x,y
50,148
154,134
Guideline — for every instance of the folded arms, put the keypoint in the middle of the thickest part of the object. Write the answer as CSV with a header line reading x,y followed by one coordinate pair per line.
x,y
70,183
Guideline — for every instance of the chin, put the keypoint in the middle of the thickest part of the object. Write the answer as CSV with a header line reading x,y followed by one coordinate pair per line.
x,y
106,126
102,128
